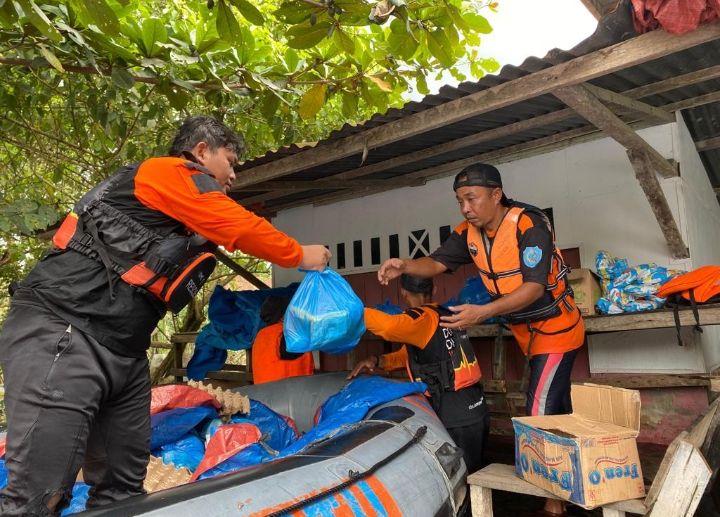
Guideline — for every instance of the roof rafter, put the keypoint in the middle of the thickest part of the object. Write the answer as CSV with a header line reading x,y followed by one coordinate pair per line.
x,y
651,45
580,98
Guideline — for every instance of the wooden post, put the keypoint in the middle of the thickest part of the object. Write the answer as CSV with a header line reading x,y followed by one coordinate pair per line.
x,y
645,174
481,501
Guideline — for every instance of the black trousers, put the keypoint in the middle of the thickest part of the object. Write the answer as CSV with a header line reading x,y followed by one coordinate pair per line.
x,y
70,403
472,440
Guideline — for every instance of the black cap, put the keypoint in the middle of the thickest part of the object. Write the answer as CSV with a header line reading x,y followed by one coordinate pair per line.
x,y
415,284
478,175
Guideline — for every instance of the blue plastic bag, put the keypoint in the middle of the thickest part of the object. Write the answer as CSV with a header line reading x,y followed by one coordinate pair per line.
x,y
188,452
324,314
276,430
351,404
169,426
3,474
388,308
254,454
80,494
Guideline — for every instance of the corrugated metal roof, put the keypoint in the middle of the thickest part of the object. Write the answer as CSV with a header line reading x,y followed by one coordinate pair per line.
x,y
703,122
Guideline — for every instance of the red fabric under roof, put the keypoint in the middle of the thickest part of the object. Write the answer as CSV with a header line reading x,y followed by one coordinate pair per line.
x,y
675,16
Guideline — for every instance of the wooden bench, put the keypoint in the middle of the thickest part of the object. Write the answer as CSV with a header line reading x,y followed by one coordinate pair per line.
x,y
502,477
676,489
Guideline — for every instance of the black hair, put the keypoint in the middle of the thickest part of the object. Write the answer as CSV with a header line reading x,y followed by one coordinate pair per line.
x,y
415,284
203,128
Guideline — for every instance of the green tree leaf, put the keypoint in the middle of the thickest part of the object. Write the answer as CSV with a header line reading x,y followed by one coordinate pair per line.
x,y
312,101
271,103
306,35
39,19
153,33
439,47
249,12
293,12
227,25
477,22
343,41
102,15
122,78
349,104
51,58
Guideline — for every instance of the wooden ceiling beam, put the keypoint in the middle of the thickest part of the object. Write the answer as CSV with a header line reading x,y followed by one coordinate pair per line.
x,y
673,83
632,105
651,45
507,154
644,167
580,99
523,125
332,184
539,146
708,145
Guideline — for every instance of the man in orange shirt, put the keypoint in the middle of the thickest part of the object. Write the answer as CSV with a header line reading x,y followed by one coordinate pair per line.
x,y
73,347
440,357
271,360
512,244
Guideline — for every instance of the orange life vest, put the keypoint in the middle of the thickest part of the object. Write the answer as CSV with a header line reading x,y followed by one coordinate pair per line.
x,y
267,365
166,261
701,285
498,262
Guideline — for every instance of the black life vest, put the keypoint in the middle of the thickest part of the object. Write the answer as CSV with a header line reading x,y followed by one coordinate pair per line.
x,y
448,362
140,246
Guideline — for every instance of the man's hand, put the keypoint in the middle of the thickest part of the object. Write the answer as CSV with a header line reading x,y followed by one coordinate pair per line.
x,y
368,364
391,269
315,257
466,315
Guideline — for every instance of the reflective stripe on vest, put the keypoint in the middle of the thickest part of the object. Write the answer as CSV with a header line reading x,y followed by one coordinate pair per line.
x,y
458,368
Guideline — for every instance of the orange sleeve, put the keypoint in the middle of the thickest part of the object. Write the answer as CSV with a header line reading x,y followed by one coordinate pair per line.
x,y
395,360
167,185
524,224
414,326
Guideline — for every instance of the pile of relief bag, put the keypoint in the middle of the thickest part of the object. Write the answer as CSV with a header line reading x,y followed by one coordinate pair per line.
x,y
187,431
630,289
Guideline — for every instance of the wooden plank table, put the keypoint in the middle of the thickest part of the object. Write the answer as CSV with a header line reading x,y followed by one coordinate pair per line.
x,y
662,318
497,476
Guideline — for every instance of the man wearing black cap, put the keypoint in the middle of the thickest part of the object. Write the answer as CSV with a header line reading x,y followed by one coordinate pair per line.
x,y
440,357
513,246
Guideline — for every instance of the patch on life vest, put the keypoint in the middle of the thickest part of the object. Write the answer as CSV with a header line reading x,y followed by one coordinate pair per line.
x,y
473,249
532,255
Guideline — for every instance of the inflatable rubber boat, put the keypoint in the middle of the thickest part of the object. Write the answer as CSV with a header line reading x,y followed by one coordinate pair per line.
x,y
397,460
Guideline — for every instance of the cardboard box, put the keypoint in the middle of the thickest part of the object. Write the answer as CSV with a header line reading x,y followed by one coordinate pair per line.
x,y
589,457
587,290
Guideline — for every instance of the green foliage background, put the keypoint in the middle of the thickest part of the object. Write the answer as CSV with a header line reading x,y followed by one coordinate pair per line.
x,y
89,85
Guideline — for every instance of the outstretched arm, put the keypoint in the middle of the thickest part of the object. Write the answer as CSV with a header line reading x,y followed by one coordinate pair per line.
x,y
423,267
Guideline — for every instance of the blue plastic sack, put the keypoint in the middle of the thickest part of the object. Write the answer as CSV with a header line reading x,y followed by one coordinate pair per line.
x,y
169,426
80,494
188,452
206,357
276,430
324,314
351,404
388,308
3,474
251,455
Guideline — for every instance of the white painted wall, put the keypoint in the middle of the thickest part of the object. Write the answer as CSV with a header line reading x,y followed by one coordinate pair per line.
x,y
702,213
597,204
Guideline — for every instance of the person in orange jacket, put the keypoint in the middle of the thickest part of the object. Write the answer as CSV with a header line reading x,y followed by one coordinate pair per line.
x,y
73,346
271,360
512,244
441,358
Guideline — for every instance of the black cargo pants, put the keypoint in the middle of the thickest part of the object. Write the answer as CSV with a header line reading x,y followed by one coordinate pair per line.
x,y
70,403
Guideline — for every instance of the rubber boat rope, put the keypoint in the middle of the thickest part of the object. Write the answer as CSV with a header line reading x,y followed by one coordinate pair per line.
x,y
353,476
